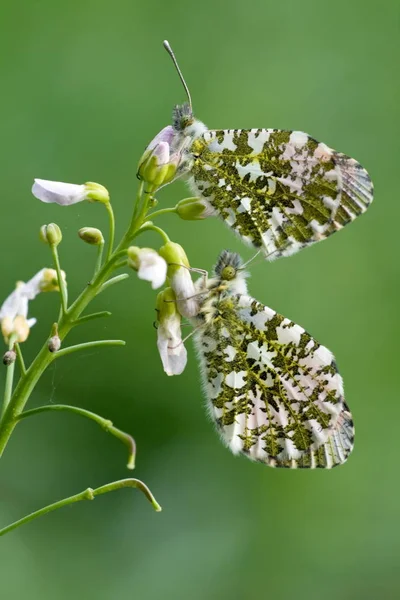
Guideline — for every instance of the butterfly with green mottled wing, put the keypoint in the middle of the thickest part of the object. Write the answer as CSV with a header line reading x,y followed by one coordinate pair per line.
x,y
274,393
279,190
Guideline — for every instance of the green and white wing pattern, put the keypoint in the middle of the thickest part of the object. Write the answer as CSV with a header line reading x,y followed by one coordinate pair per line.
x,y
278,190
274,393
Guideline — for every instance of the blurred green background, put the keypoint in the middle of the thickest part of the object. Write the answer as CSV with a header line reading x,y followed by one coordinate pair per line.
x,y
85,86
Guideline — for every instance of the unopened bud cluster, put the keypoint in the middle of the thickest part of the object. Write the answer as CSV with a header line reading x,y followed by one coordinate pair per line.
x,y
158,165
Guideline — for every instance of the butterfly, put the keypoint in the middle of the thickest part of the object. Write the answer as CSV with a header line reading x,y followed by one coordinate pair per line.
x,y
274,393
279,190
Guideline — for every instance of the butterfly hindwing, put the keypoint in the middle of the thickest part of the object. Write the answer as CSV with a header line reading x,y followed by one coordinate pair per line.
x,y
278,190
273,391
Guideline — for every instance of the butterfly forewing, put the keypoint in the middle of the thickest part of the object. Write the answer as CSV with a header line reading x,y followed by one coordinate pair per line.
x,y
279,190
274,392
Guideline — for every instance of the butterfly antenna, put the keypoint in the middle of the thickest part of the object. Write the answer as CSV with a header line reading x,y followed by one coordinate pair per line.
x,y
249,261
172,55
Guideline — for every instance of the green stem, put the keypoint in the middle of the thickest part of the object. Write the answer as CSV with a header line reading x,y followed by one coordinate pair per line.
x,y
111,230
150,227
162,211
88,345
100,250
88,494
112,281
20,358
61,282
137,201
91,317
106,424
9,380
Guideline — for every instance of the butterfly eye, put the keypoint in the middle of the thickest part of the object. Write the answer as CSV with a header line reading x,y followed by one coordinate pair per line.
x,y
228,273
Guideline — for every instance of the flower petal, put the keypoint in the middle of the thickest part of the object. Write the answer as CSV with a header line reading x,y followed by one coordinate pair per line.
x,y
61,193
44,281
15,304
183,286
173,357
149,264
165,135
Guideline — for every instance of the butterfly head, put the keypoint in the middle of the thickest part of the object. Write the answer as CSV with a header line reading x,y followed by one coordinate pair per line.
x,y
229,273
182,117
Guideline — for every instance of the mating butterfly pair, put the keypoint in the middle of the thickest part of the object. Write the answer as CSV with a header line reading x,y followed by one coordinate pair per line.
x,y
274,393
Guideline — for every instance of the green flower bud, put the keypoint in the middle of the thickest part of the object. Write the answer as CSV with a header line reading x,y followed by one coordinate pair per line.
x,y
175,257
166,304
193,209
91,235
96,192
157,167
50,234
179,275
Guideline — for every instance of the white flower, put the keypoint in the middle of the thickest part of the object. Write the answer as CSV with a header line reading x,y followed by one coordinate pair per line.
x,y
65,194
13,315
149,265
44,281
169,339
58,192
14,310
181,281
15,304
183,286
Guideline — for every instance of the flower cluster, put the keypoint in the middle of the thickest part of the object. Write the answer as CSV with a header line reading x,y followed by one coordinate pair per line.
x,y
167,265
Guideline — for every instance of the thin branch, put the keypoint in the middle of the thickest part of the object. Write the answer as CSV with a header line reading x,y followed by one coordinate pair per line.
x,y
99,259
112,229
91,317
8,388
20,358
88,494
150,227
105,424
112,281
162,211
88,345
61,282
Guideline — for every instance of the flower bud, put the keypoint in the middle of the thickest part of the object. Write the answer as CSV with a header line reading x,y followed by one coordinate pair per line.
x,y
157,166
181,281
194,209
50,234
9,357
149,265
91,235
96,192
